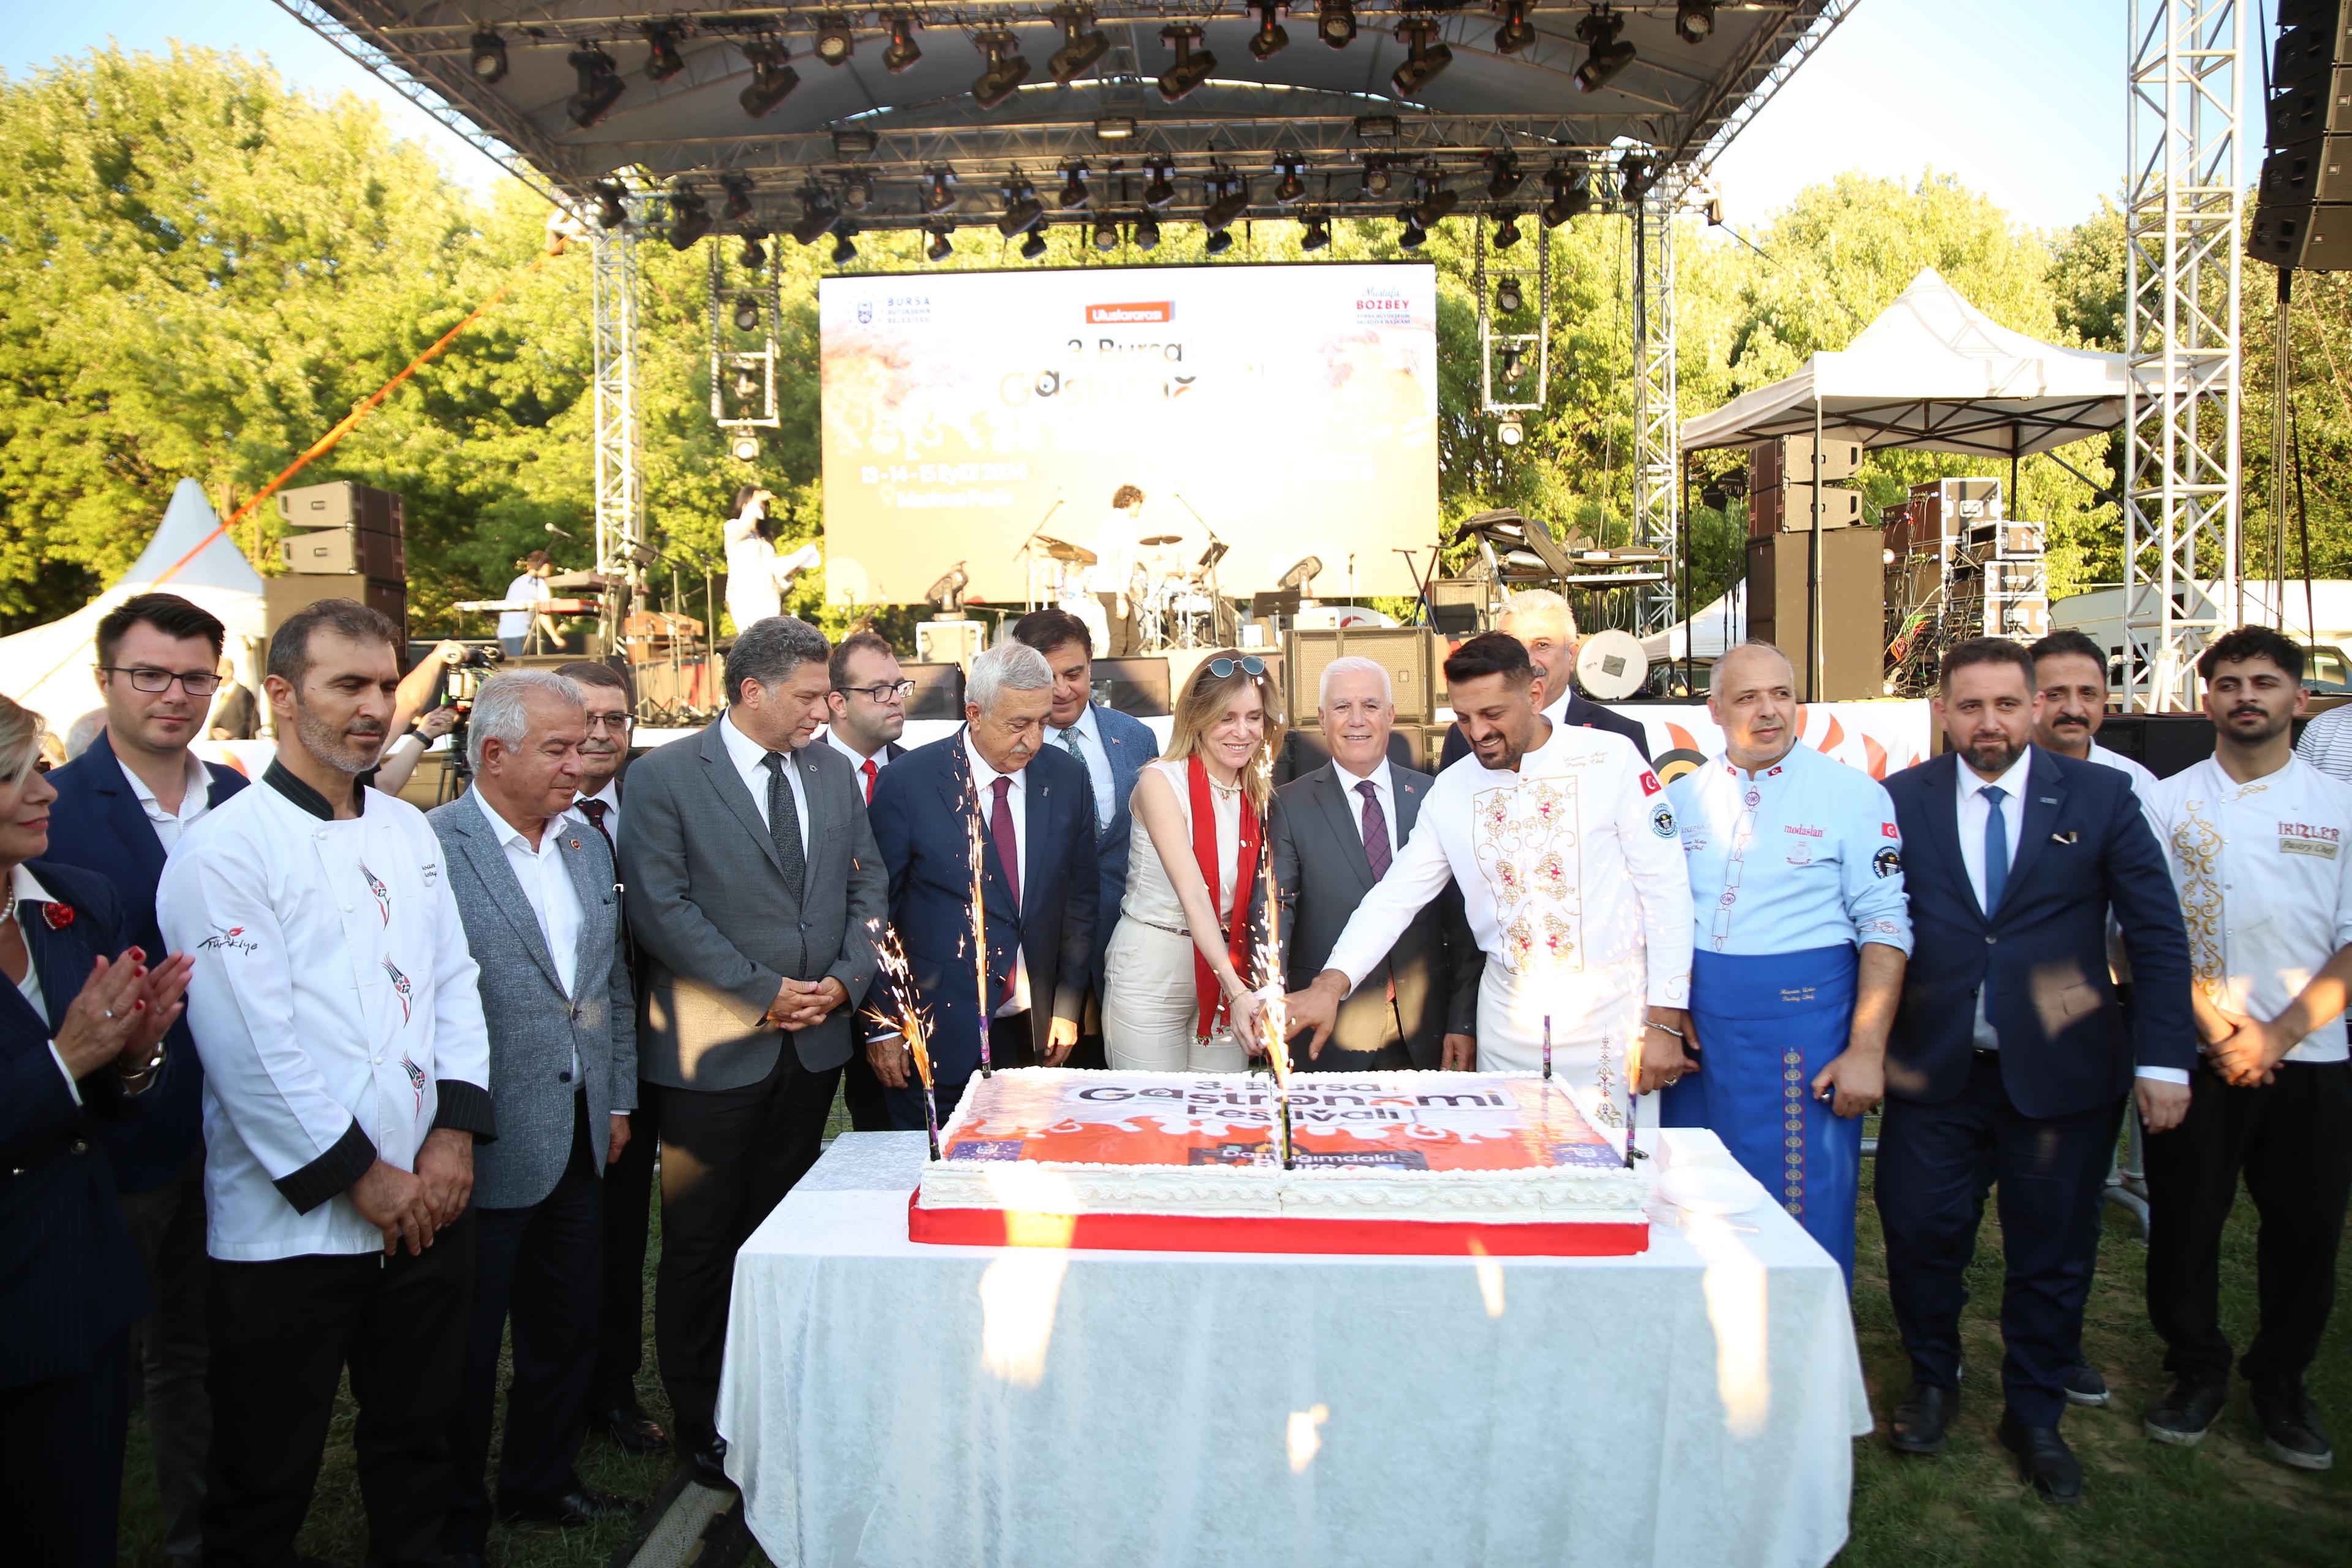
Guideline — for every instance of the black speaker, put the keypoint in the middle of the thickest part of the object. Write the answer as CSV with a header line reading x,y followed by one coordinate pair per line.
x,y
2163,743
1137,688
1853,607
2303,218
939,691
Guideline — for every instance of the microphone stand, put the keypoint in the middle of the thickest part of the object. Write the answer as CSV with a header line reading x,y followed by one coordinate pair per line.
x,y
1029,547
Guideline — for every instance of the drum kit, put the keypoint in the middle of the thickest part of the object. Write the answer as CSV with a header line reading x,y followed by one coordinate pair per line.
x,y
1175,606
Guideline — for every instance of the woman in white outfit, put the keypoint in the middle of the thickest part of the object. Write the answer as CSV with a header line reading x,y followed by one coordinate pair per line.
x,y
1175,996
756,576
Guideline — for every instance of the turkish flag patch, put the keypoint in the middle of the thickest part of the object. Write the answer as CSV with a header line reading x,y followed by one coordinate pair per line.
x,y
1887,830
1650,784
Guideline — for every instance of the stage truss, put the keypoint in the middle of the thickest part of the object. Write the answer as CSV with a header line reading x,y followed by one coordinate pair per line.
x,y
619,446
1657,414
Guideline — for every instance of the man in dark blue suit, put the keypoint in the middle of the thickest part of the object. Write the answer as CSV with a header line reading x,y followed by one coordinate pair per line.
x,y
1041,885
122,805
2008,1051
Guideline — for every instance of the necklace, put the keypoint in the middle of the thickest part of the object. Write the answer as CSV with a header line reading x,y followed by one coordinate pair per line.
x,y
8,910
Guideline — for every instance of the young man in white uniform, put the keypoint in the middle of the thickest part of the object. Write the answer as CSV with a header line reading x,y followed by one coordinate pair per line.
x,y
1570,867
2261,847
346,1078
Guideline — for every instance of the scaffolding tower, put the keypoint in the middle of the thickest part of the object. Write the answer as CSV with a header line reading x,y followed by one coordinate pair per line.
x,y
620,471
1657,421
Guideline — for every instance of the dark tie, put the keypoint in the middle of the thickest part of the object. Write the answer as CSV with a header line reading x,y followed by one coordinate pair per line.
x,y
1008,848
869,769
595,810
1996,863
784,826
1376,828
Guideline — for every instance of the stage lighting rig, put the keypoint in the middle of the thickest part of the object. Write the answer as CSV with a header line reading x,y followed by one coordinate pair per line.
x,y
1317,225
1115,128
1634,177
1376,178
1695,21
1335,22
902,50
600,87
1605,53
1410,239
1143,232
817,213
1231,203
1514,358
1034,246
835,39
747,313
938,243
738,196
1509,430
1571,196
1504,176
1426,58
1022,210
1082,44
938,198
1106,232
745,448
1507,298
1438,201
662,59
1506,227
1074,193
489,57
1516,32
773,78
689,217
1293,182
1161,192
755,253
857,190
845,243
1007,69
855,142
1191,67
612,204
1270,39
1218,242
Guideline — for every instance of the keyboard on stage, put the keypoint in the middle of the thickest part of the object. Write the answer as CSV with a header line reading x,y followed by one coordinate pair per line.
x,y
543,607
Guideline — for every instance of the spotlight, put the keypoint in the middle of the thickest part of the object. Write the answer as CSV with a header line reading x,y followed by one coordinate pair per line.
x,y
817,213
1021,209
600,87
1106,232
1506,228
1378,128
1006,69
1161,191
1516,32
489,57
1375,177
854,143
746,386
1191,67
902,51
834,41
745,448
738,196
1606,54
937,243
1571,196
1034,246
1437,203
755,254
1413,233
1695,21
747,313
1218,243
1231,204
1633,176
858,191
845,246
1510,432
1513,358
773,78
612,209
1115,128
1075,193
1714,497
1507,175
662,58
1083,44
1425,58
1293,184
1270,39
1507,298
938,199
689,217
1143,232
1318,232
1335,22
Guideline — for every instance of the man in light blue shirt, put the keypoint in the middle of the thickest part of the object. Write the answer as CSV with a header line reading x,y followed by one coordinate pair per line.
x,y
1800,936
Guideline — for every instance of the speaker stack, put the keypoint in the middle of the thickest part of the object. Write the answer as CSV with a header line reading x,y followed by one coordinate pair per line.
x,y
342,542
1787,478
2302,221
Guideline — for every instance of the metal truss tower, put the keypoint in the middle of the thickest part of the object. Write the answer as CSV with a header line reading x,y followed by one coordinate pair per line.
x,y
620,471
2181,226
1657,421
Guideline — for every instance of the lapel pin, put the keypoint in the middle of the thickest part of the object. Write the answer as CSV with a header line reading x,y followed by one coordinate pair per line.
x,y
2048,799
575,844
2064,838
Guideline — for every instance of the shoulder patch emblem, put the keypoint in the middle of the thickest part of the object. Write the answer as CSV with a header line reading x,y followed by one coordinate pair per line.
x,y
1887,861
1662,820
1650,784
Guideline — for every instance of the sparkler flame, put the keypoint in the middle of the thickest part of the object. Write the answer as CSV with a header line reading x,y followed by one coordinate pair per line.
x,y
976,855
906,1017
1273,1017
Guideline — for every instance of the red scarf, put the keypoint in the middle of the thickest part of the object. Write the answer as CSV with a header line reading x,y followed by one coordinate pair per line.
x,y
1206,984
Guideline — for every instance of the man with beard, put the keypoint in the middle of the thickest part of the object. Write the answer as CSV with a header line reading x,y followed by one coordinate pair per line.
x,y
2257,838
2008,1050
346,1079
1542,620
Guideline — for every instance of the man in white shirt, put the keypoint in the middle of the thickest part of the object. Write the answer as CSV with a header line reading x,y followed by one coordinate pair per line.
x,y
2261,846
866,708
515,626
346,1079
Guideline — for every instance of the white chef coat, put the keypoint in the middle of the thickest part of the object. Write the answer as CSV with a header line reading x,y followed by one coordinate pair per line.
x,y
334,1005
525,589
611,795
1097,756
1016,801
2142,780
546,884
1383,787
194,800
2265,871
750,758
2143,785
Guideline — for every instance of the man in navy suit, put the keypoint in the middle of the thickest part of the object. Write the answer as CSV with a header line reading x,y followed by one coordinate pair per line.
x,y
2008,1051
122,807
1114,748
1041,885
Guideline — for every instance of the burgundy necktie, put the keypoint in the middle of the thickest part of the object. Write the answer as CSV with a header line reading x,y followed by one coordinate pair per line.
x,y
595,810
868,768
1376,828
1008,848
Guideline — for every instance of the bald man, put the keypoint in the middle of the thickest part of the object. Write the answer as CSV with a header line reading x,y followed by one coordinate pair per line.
x,y
1801,934
1542,621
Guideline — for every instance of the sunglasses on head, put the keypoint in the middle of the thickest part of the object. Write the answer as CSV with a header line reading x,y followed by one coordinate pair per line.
x,y
1248,664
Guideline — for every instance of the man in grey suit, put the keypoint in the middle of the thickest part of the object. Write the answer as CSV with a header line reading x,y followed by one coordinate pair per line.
x,y
1335,832
535,891
755,892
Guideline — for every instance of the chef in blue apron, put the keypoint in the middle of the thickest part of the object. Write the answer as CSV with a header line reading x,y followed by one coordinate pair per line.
x,y
1801,934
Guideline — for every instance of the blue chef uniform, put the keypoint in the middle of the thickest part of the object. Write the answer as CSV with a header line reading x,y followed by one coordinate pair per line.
x,y
1792,870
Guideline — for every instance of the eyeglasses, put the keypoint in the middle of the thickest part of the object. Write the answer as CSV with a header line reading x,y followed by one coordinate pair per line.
x,y
195,682
884,692
1248,664
617,722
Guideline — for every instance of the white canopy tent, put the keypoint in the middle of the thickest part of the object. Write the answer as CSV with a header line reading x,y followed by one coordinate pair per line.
x,y
47,667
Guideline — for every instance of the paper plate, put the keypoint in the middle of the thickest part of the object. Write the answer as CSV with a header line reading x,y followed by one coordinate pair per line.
x,y
1710,1189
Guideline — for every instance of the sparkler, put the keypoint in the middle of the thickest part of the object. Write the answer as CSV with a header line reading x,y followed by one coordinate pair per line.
x,y
1547,1048
1633,1095
1273,1017
976,852
890,961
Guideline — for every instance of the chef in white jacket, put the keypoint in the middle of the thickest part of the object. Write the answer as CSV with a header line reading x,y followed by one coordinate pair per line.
x,y
1571,873
347,1075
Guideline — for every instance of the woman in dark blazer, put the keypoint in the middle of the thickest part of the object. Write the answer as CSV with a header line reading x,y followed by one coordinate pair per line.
x,y
81,1037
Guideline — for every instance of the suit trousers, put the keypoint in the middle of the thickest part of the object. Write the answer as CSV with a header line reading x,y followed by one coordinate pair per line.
x,y
2288,1138
728,1156
167,1227
1929,1156
868,1096
282,1333
628,1209
542,1266
61,1463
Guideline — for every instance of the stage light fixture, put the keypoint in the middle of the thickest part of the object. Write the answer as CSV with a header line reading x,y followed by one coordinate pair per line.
x,y
612,206
938,198
1633,177
1270,39
817,213
746,386
854,143
1022,210
1075,193
1571,196
1605,53
845,243
662,59
836,41
1513,359
1161,191
1507,298
1231,203
938,244
1143,232
1379,128
1218,243
1505,176
1414,234
689,217
902,51
1007,69
744,447
1318,232
1376,178
489,61
1438,202
1115,128
755,254
1082,44
1510,431
1426,58
1034,246
1293,184
772,78
1191,67
1695,21
1335,22
600,87
1516,32
747,313
1506,228
738,196
1106,232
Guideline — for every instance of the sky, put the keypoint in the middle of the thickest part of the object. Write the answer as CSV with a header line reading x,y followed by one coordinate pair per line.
x,y
2022,99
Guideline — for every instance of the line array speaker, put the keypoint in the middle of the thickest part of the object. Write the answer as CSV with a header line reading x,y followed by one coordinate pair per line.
x,y
2303,218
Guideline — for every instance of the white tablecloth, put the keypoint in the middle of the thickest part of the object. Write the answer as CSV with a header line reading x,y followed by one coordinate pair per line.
x,y
891,1403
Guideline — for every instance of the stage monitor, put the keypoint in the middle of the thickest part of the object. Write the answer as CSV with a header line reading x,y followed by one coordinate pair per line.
x,y
1283,411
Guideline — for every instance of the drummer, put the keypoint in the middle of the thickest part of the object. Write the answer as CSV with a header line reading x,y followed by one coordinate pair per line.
x,y
1130,554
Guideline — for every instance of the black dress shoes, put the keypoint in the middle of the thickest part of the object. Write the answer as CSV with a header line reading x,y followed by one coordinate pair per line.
x,y
706,1462
581,1506
2186,1412
629,1426
2043,1458
1920,1417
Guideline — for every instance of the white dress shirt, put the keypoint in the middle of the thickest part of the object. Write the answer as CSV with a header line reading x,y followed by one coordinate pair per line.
x,y
195,801
611,795
547,888
881,759
751,763
1097,756
1016,801
1383,787
525,589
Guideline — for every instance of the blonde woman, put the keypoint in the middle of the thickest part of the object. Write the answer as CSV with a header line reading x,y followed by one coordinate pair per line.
x,y
1176,992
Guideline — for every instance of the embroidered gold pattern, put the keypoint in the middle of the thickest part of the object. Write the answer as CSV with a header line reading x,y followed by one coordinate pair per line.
x,y
1527,844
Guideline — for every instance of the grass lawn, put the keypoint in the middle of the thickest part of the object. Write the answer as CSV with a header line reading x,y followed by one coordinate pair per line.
x,y
2225,1502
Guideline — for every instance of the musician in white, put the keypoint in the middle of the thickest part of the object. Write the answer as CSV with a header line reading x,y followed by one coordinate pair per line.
x,y
756,575
1571,870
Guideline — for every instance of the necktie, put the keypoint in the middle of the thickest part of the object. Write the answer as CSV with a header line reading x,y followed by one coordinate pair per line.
x,y
1008,848
1996,871
869,769
595,810
784,826
1070,741
1376,829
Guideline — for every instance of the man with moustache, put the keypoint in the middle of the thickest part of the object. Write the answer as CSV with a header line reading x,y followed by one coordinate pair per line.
x,y
336,1006
2008,1050
2261,846
1541,620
